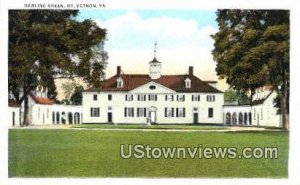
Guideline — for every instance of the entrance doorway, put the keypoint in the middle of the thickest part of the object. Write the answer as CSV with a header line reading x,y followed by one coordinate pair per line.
x,y
109,117
13,118
195,118
152,116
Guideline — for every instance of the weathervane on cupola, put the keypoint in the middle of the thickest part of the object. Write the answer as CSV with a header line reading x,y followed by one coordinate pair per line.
x,y
155,45
155,65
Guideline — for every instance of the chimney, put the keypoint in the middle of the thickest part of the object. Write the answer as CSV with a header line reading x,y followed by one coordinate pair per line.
x,y
191,71
118,70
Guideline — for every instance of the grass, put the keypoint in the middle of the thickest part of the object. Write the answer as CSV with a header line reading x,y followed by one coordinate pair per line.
x,y
169,127
96,153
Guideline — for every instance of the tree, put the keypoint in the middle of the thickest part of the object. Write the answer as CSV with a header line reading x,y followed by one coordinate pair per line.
x,y
43,45
76,98
68,89
252,49
231,95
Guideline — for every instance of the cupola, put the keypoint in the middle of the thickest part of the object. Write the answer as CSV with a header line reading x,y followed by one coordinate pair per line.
x,y
155,66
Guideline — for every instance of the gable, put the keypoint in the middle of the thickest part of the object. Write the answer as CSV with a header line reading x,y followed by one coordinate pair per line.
x,y
152,87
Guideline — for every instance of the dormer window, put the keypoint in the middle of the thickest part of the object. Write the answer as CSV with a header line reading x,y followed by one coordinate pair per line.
x,y
188,83
120,82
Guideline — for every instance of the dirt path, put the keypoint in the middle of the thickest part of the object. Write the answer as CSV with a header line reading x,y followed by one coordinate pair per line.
x,y
70,127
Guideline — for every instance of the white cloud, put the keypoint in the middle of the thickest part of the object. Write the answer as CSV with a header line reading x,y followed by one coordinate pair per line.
x,y
181,43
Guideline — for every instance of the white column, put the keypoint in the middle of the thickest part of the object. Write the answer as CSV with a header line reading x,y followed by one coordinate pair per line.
x,y
72,115
67,118
74,118
61,118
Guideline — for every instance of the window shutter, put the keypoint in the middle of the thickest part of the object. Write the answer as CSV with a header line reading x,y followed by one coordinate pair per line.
x,y
176,112
166,97
165,111
91,112
138,112
183,97
172,112
184,112
155,97
132,110
198,97
125,112
145,112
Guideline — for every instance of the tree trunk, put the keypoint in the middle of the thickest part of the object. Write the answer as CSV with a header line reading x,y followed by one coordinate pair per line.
x,y
26,112
284,112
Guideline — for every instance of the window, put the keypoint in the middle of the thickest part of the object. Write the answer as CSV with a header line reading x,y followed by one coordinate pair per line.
x,y
195,97
188,83
180,112
152,87
169,97
210,98
109,97
95,97
141,112
141,97
129,112
95,112
120,82
180,97
210,112
169,112
129,97
152,97
109,108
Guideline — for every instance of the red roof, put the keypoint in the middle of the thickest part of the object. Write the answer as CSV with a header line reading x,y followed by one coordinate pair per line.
x,y
174,82
39,100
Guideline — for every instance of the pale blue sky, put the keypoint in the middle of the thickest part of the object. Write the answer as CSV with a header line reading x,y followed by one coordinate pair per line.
x,y
203,17
183,38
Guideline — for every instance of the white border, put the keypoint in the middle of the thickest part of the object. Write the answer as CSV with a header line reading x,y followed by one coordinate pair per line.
x,y
294,155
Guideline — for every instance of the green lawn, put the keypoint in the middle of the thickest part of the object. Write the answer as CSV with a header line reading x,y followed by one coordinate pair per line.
x,y
96,153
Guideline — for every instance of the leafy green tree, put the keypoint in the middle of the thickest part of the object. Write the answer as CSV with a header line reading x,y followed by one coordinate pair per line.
x,y
76,98
252,49
231,95
68,89
43,45
65,102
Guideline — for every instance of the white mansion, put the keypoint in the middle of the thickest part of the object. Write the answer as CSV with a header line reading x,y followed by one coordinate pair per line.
x,y
151,99
154,98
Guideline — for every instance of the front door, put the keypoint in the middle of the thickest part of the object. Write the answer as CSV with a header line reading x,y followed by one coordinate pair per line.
x,y
109,117
152,117
13,118
195,118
